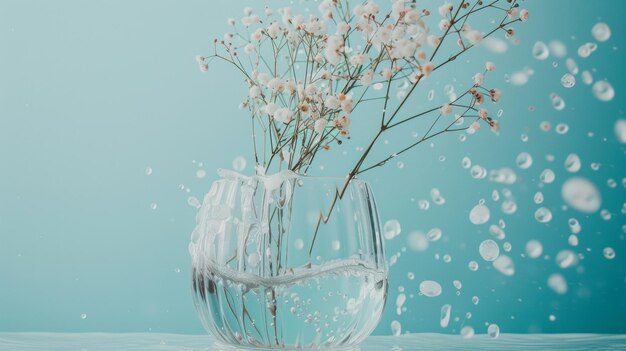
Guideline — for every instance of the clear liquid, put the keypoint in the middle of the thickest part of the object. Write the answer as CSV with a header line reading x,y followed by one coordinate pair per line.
x,y
337,304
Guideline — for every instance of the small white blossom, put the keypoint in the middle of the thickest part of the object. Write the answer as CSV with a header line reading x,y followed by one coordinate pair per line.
x,y
320,125
343,28
332,102
334,45
490,66
254,92
523,15
482,113
479,79
247,21
446,109
271,108
273,30
445,9
277,85
366,78
249,48
283,115
256,35
358,59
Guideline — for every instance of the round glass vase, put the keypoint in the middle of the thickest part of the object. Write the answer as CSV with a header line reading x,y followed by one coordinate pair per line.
x,y
288,262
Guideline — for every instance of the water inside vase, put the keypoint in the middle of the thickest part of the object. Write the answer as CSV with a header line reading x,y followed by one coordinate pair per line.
x,y
334,304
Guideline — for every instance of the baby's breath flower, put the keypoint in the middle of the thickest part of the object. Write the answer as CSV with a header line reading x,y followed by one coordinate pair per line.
x,y
446,109
445,9
495,94
343,28
320,125
523,15
490,66
482,113
479,79
283,115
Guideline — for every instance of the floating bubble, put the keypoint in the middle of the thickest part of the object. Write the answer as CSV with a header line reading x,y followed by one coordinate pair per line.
x,y
586,77
601,31
509,207
568,80
479,214
572,67
336,245
399,302
391,229
475,300
552,318
473,266
201,173
239,163
83,316
566,259
467,332
495,196
545,126
524,160
493,331
478,172
489,250
410,276
574,225
605,214
435,195
497,232
423,205
467,163
447,258
572,163
396,328
595,166
153,206
298,244
444,320
430,288
581,194
547,176
557,102
543,215
193,202
603,90
586,49
503,175
534,249
540,50
538,197
620,130
572,240
431,95
494,44
608,253
557,283
562,128
507,246
557,49
417,241
457,284
400,164
434,234
504,264
148,171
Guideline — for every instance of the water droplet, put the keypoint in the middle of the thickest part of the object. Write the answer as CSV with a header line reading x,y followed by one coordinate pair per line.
x,y
489,250
410,276
572,163
391,229
603,90
568,80
430,288
473,266
547,176
83,316
447,258
540,50
417,241
562,128
538,197
400,164
586,77
148,171
574,225
557,283
558,49
534,249
543,215
572,67
153,206
336,245
444,319
608,253
434,234
239,163
601,31
497,232
396,328
201,173
467,332
475,300
504,264
298,244
431,95
581,194
423,205
507,246
479,214
557,102
378,86
193,202
467,163
493,331
524,160
566,259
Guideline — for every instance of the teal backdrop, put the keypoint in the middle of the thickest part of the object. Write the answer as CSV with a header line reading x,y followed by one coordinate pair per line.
x,y
92,93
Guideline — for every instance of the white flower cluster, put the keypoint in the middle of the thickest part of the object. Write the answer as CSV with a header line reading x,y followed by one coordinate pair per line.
x,y
306,74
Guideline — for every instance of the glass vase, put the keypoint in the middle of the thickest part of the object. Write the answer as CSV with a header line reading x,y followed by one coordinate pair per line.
x,y
288,262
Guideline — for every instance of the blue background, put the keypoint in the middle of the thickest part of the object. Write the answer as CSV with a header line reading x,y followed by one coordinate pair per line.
x,y
92,93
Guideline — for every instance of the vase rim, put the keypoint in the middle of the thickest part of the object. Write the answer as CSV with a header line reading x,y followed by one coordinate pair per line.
x,y
285,174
